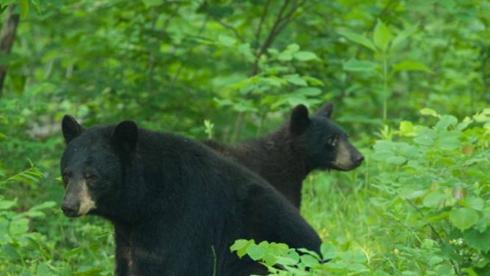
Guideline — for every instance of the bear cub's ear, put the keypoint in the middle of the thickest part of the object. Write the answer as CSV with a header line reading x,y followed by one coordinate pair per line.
x,y
326,110
71,128
299,119
125,135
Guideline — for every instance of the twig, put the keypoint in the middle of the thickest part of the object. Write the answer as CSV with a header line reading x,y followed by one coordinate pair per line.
x,y
280,23
233,29
7,37
438,237
261,23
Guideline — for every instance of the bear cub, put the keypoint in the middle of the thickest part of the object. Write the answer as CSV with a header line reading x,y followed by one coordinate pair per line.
x,y
176,206
303,144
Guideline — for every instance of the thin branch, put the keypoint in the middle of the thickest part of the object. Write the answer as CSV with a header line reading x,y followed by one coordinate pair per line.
x,y
7,38
261,24
233,29
279,24
269,40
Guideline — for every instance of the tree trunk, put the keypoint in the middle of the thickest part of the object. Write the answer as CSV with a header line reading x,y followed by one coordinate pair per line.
x,y
7,37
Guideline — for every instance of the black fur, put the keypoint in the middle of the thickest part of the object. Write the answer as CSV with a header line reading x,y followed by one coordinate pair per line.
x,y
285,157
172,201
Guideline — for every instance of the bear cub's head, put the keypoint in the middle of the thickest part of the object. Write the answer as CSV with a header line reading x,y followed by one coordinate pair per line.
x,y
327,145
92,165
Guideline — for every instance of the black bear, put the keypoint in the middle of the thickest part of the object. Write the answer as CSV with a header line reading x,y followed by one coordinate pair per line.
x,y
303,144
176,206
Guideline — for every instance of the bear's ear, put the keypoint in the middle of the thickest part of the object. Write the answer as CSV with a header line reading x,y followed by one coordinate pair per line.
x,y
71,128
299,119
326,110
125,135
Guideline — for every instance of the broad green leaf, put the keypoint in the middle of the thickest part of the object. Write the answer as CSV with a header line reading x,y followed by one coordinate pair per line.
x,y
445,122
433,199
152,3
19,226
305,56
476,203
408,65
426,137
285,56
240,246
43,269
382,36
295,79
396,160
226,40
359,65
7,204
477,240
463,218
403,35
256,252
292,48
328,251
359,39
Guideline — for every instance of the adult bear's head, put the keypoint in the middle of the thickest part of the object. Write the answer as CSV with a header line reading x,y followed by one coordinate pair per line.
x,y
92,165
326,144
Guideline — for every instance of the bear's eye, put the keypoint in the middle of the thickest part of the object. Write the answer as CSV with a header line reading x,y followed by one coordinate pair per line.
x,y
332,141
91,177
66,178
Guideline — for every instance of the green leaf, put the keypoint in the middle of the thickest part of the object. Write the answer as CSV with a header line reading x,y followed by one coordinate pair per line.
x,y
429,112
24,8
7,204
463,218
43,269
382,36
396,160
240,246
152,3
308,91
433,199
476,203
359,39
445,122
328,251
44,205
309,260
305,56
402,36
359,65
477,240
19,226
295,79
226,40
256,252
408,65
426,137
292,48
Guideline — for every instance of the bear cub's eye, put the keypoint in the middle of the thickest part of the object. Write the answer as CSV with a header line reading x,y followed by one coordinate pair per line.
x,y
332,141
